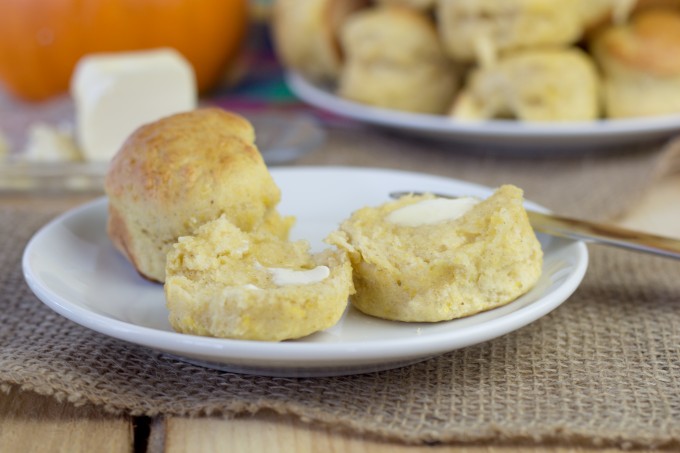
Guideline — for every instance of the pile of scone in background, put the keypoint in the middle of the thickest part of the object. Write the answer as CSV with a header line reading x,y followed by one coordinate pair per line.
x,y
531,60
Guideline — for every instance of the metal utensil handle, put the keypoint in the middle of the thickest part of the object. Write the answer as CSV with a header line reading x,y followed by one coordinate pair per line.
x,y
583,230
604,234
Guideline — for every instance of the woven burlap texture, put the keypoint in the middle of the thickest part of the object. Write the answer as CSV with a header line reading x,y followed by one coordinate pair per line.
x,y
603,369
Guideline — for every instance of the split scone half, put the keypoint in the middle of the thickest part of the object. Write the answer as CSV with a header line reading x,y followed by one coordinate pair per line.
x,y
426,259
227,283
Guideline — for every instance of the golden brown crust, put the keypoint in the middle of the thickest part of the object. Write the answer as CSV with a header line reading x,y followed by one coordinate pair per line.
x,y
122,240
119,234
650,43
641,73
174,142
175,174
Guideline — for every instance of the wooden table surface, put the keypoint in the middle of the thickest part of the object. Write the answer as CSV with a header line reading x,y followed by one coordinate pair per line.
x,y
35,423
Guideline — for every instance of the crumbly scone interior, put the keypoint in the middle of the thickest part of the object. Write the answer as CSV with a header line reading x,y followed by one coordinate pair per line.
x,y
484,259
228,283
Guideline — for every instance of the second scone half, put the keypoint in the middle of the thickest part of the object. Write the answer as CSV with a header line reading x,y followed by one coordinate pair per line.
x,y
427,259
224,282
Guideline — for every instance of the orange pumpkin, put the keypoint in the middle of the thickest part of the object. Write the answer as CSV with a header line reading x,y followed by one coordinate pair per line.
x,y
42,40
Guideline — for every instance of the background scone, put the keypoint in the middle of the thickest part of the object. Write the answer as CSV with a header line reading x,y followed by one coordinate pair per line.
x,y
306,34
175,174
559,84
640,64
226,283
395,60
480,30
431,259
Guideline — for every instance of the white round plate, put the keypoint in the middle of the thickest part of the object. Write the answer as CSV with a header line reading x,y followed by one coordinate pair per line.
x,y
504,134
71,265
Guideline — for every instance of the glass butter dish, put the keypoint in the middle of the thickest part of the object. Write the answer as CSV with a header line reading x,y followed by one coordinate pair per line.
x,y
38,152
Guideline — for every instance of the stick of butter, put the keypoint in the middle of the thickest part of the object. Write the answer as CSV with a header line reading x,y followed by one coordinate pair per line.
x,y
115,93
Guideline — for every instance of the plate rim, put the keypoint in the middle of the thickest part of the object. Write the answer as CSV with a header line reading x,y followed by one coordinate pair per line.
x,y
297,353
319,97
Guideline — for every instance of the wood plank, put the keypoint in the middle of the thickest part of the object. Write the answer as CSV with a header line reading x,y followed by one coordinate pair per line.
x,y
34,423
275,433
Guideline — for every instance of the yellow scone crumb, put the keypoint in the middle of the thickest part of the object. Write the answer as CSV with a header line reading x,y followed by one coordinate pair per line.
x,y
420,259
228,283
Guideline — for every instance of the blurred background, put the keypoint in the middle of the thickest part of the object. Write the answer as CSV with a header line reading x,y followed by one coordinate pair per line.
x,y
525,72
227,43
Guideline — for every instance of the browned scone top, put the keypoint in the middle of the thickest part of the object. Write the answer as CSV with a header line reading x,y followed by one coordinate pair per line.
x,y
651,42
639,64
175,174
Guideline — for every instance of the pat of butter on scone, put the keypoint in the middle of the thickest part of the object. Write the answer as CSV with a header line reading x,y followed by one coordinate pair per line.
x,y
282,276
115,93
433,211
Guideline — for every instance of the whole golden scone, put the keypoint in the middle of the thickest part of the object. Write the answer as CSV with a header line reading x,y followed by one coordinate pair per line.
x,y
394,60
179,172
640,64
306,34
480,30
428,259
224,282
559,84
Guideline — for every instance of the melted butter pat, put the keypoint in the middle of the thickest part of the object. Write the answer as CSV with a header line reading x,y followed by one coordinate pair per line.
x,y
428,212
282,276
251,287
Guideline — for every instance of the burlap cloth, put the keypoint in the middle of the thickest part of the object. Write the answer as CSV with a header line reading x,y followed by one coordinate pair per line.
x,y
603,369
